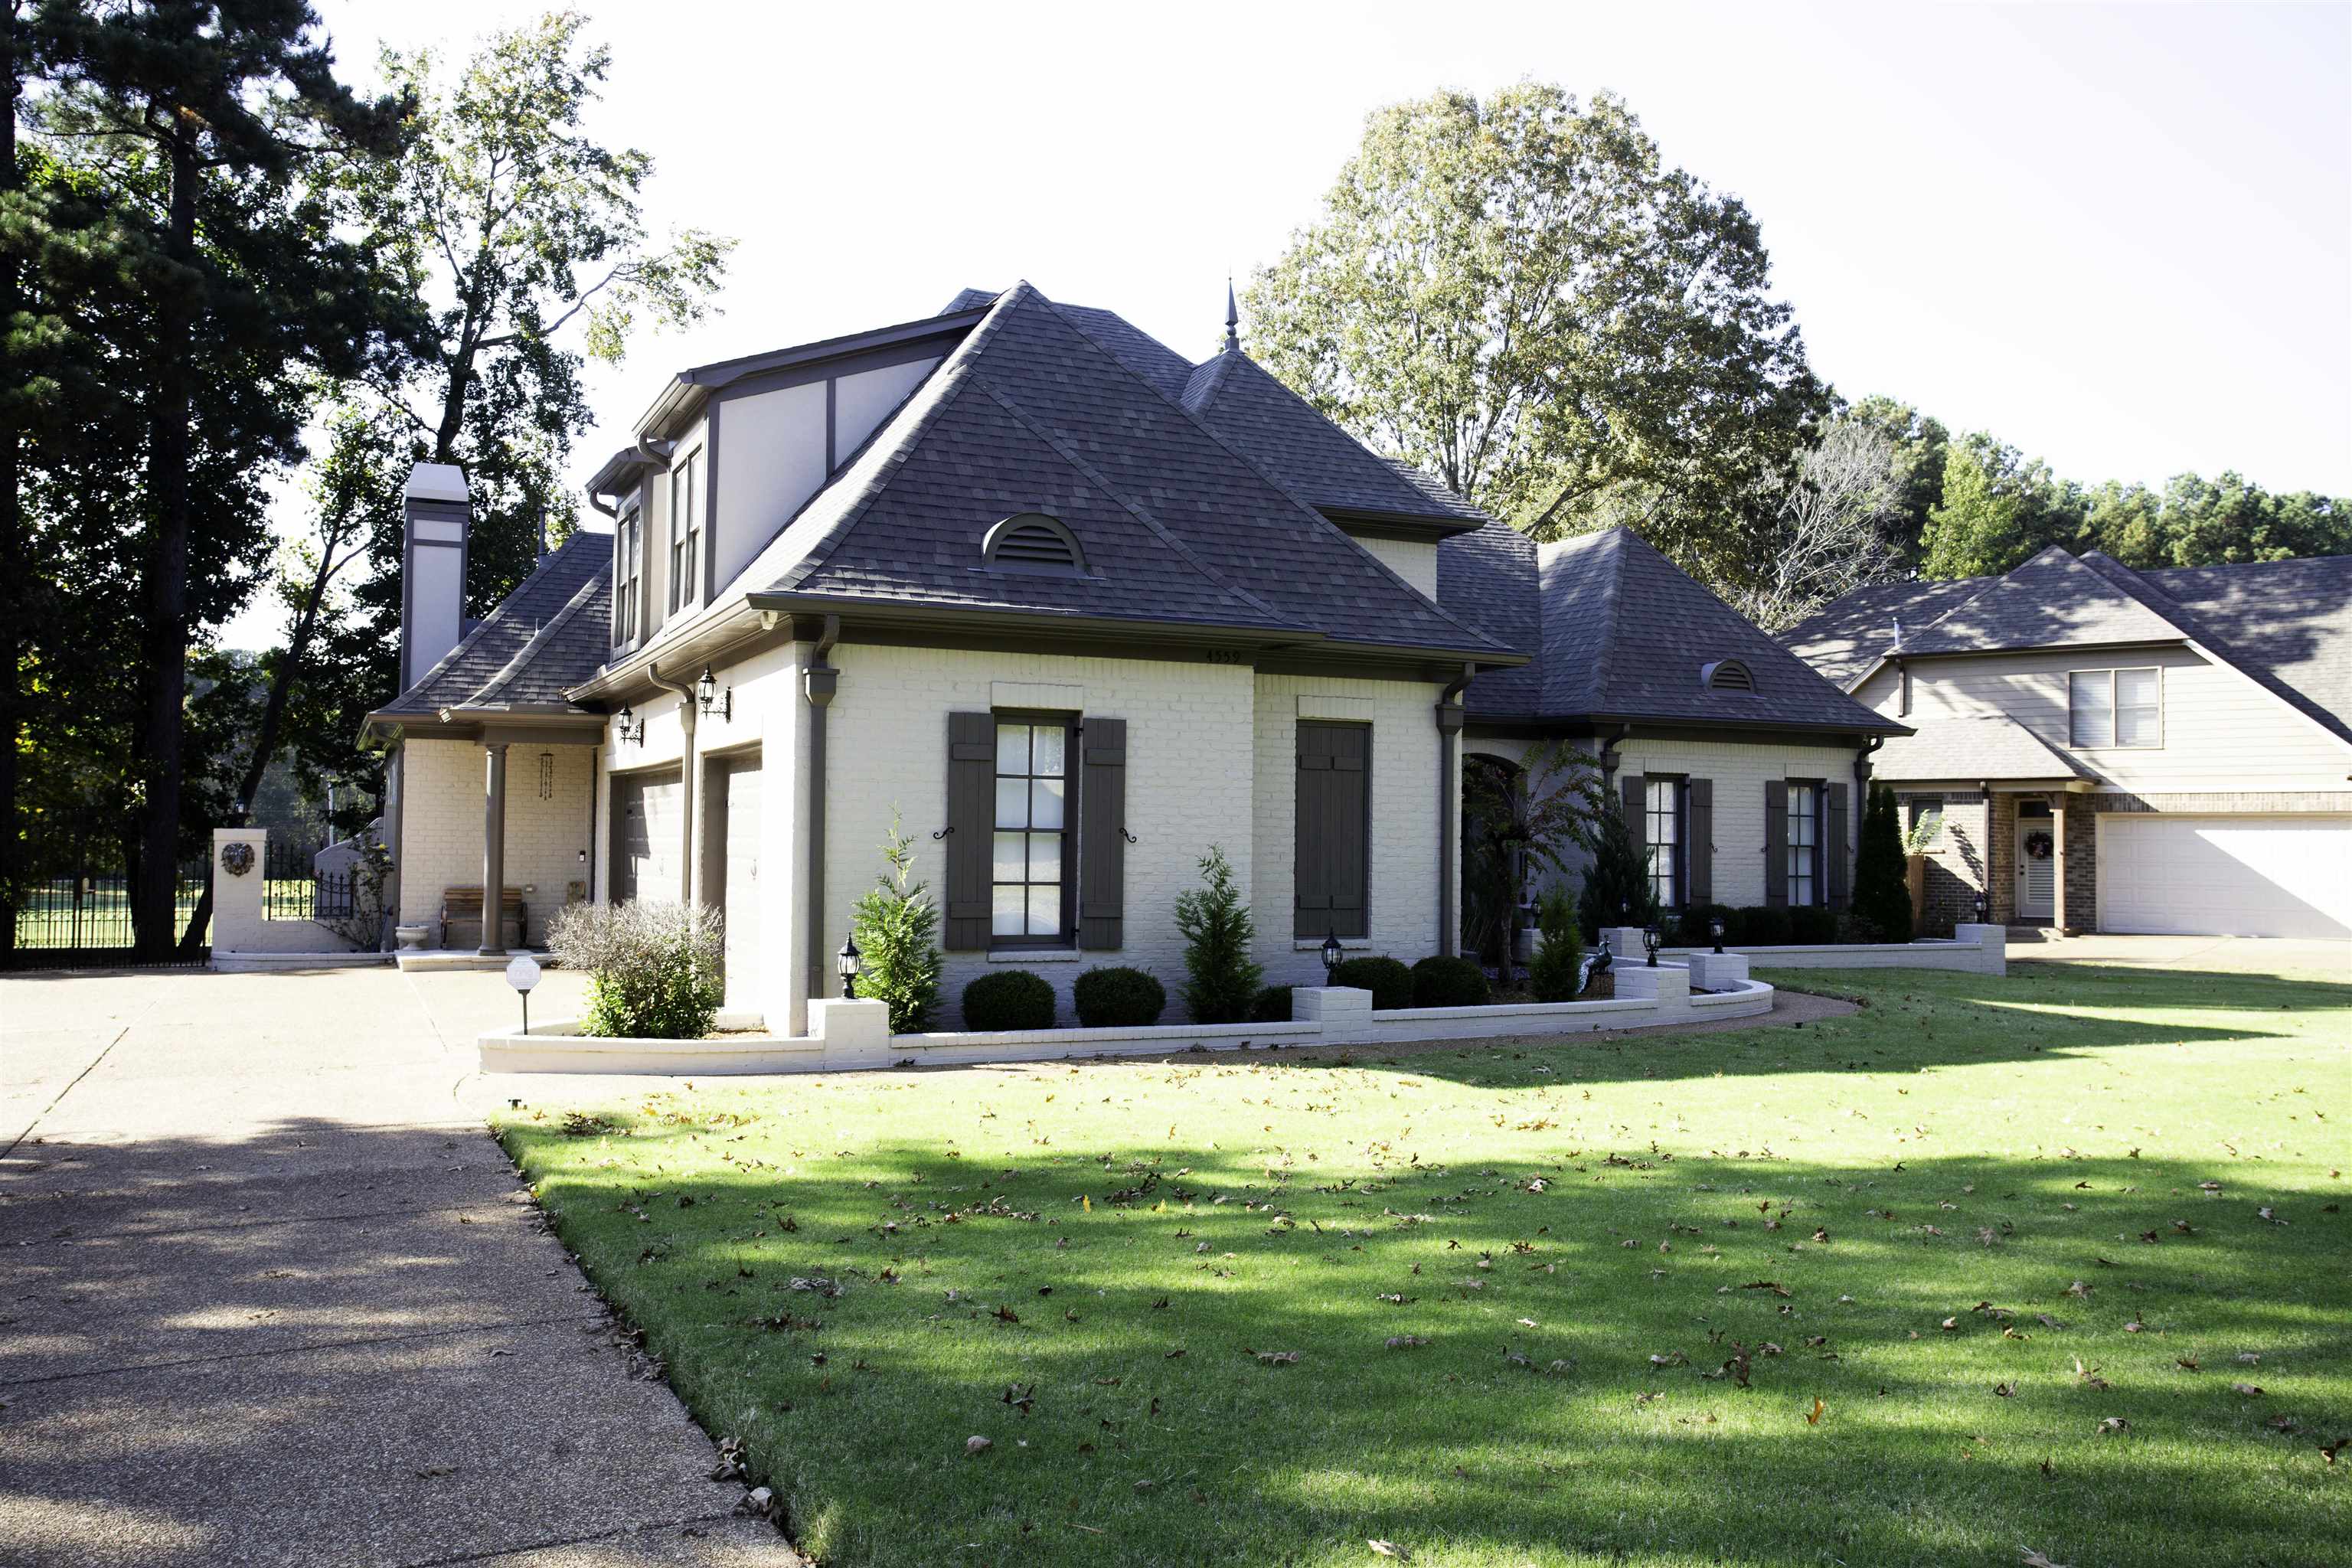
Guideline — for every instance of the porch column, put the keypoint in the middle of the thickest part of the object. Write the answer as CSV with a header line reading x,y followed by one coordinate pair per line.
x,y
2058,920
494,852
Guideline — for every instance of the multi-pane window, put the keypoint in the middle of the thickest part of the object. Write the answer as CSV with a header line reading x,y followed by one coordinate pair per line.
x,y
1663,831
628,566
1804,843
2115,707
1032,776
685,532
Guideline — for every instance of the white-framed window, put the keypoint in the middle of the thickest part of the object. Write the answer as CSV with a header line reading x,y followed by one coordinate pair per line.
x,y
1804,844
1661,828
628,572
1030,897
686,531
2115,707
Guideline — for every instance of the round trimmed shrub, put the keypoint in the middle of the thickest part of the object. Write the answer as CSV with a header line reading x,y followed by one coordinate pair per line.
x,y
1270,1004
1440,982
1389,981
1117,998
1009,999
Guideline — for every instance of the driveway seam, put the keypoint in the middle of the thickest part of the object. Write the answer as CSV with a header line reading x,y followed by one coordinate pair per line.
x,y
303,1350
26,1131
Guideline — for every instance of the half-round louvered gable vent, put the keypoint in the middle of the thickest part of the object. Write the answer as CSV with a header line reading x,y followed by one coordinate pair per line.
x,y
1032,542
1726,675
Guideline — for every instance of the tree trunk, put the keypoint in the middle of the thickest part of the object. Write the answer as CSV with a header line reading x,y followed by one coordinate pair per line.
x,y
163,731
12,535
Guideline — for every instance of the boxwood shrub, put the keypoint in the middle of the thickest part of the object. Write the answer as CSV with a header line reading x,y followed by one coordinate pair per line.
x,y
1691,929
1761,925
1389,981
1009,999
1117,998
1270,1004
1812,925
1440,981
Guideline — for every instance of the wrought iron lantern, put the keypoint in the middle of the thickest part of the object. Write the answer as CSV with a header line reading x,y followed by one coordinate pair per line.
x,y
1331,955
845,962
1651,937
705,691
1980,908
632,726
1715,929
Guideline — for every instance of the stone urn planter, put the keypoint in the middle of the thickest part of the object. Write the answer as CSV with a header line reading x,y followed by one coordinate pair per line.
x,y
411,938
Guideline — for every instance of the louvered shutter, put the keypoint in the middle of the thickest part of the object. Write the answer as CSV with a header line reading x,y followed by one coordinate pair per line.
x,y
1102,832
1333,853
1699,840
1636,796
972,820
1776,843
1836,860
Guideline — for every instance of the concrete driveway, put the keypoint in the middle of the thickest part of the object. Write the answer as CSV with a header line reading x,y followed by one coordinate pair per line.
x,y
2243,954
273,1295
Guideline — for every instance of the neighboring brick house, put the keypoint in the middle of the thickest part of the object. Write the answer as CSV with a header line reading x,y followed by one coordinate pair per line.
x,y
2117,750
1067,608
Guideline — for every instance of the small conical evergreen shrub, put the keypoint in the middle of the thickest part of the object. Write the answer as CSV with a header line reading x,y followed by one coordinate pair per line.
x,y
1881,890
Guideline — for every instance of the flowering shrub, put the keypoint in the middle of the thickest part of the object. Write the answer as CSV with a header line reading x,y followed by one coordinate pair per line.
x,y
654,969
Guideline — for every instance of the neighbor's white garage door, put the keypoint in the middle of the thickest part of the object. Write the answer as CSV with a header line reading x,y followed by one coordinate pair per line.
x,y
2232,876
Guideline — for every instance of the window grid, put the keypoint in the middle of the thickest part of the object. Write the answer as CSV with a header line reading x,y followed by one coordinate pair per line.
x,y
1663,830
629,547
684,533
2120,708
1804,844
1030,855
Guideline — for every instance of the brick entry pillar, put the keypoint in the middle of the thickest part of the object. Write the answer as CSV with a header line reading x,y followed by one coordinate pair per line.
x,y
2058,920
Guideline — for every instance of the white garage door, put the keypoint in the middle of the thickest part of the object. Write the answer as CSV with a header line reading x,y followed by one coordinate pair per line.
x,y
2231,875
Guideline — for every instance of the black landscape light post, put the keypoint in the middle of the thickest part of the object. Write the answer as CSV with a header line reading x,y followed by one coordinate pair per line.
x,y
1331,955
1715,929
1650,943
846,964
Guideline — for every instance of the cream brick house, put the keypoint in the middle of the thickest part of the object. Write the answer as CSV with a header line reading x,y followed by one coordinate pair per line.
x,y
2115,749
1067,607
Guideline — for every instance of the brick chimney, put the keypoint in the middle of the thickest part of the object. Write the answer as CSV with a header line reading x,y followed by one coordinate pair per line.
x,y
437,517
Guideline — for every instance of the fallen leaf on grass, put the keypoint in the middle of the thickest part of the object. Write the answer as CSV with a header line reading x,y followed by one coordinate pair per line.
x,y
977,1444
2114,1425
1277,1358
1813,1416
1406,1341
2004,1390
1390,1549
2036,1560
2251,1390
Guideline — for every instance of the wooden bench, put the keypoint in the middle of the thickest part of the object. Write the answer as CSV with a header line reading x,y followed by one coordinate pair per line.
x,y
461,917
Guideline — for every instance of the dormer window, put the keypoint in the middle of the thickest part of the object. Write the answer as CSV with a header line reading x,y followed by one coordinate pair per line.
x,y
628,566
685,533
1032,543
1726,675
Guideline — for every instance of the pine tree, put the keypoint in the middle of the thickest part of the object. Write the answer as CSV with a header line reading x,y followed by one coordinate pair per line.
x,y
1617,891
1214,921
1881,890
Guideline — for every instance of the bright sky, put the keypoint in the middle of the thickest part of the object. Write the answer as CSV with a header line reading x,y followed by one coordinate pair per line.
x,y
2120,237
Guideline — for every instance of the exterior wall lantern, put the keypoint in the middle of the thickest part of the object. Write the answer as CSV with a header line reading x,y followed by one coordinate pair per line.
x,y
1331,955
845,962
705,690
1650,939
632,726
1980,908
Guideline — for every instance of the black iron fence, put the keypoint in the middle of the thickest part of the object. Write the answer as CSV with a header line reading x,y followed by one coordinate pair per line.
x,y
295,888
76,914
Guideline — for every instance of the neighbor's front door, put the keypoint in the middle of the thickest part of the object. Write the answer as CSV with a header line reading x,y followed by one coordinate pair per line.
x,y
2037,865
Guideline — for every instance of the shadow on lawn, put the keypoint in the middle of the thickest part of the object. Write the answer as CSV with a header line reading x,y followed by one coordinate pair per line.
x,y
1150,1421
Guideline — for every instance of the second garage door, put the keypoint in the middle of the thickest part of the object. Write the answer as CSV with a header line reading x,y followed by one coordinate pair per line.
x,y
2227,875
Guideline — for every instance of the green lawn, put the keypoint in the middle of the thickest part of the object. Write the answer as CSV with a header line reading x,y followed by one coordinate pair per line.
x,y
1864,1292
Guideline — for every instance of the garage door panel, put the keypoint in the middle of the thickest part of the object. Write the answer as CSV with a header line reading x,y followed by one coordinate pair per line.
x,y
2231,875
648,817
742,880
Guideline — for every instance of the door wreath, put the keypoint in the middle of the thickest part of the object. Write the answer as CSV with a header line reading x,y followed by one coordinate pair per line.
x,y
2038,846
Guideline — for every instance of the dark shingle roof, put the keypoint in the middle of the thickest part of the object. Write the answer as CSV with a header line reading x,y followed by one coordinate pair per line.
x,y
1983,746
1622,632
2287,625
549,635
1031,411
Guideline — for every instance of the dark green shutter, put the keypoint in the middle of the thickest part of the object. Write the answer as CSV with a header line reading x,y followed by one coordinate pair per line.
x,y
1776,843
1333,857
1835,859
1699,840
1102,832
971,824
1636,798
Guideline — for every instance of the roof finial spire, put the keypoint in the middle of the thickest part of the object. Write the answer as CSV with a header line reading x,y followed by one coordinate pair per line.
x,y
1233,318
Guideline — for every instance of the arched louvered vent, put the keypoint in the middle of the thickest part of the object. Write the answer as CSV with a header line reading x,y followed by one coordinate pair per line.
x,y
1727,675
1032,542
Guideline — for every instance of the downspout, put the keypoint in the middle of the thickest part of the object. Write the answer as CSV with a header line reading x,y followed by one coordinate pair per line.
x,y
1449,835
689,785
1609,755
821,682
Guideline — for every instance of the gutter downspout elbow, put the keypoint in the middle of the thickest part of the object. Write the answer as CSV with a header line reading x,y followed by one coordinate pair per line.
x,y
1450,716
688,784
818,684
1609,754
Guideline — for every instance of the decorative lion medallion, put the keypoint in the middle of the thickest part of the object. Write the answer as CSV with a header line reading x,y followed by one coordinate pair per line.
x,y
2037,846
236,859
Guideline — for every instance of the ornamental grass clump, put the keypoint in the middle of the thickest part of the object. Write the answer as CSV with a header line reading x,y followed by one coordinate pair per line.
x,y
894,925
654,970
